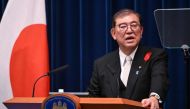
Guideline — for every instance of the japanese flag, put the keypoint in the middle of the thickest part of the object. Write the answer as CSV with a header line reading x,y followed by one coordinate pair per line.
x,y
23,49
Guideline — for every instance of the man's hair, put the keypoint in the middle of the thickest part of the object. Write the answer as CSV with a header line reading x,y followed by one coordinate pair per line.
x,y
124,12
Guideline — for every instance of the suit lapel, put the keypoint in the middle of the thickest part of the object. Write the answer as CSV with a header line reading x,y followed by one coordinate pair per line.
x,y
115,69
135,71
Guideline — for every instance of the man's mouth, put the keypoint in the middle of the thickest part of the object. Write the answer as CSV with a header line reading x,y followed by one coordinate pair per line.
x,y
129,38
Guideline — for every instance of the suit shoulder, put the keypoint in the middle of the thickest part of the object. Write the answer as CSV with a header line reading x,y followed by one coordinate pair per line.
x,y
108,57
156,51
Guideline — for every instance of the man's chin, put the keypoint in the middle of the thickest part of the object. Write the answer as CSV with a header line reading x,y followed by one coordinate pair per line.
x,y
130,44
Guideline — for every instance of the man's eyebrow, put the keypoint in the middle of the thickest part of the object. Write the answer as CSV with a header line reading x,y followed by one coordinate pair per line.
x,y
134,22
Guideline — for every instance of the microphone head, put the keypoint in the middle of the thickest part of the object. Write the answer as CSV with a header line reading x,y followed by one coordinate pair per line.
x,y
59,69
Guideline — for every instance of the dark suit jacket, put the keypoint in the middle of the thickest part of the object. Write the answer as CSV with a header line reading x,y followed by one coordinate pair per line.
x,y
145,76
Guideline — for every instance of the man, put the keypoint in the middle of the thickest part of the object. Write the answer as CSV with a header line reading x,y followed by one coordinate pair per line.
x,y
133,71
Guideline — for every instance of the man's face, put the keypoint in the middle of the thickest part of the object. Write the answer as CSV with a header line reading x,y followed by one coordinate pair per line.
x,y
127,31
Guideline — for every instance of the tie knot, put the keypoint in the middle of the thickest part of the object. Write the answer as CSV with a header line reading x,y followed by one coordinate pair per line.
x,y
128,59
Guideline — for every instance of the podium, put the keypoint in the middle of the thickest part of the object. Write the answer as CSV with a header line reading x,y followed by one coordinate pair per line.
x,y
85,103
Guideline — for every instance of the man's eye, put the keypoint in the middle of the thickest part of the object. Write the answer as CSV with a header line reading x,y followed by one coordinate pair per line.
x,y
123,26
134,25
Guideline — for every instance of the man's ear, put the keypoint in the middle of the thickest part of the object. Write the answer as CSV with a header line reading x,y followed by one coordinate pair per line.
x,y
113,33
142,29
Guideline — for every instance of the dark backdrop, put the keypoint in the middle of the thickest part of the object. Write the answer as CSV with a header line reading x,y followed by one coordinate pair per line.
x,y
79,32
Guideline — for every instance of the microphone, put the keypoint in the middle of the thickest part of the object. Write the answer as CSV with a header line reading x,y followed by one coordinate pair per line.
x,y
118,87
117,76
47,74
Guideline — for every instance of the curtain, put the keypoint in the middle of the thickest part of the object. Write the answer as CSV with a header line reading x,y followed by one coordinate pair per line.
x,y
79,33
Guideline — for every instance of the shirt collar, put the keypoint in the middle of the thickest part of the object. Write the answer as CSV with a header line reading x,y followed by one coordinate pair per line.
x,y
122,55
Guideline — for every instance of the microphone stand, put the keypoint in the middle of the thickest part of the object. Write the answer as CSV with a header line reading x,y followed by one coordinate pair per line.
x,y
33,90
47,74
186,61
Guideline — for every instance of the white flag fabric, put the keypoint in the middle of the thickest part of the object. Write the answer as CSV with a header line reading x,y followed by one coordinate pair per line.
x,y
23,50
